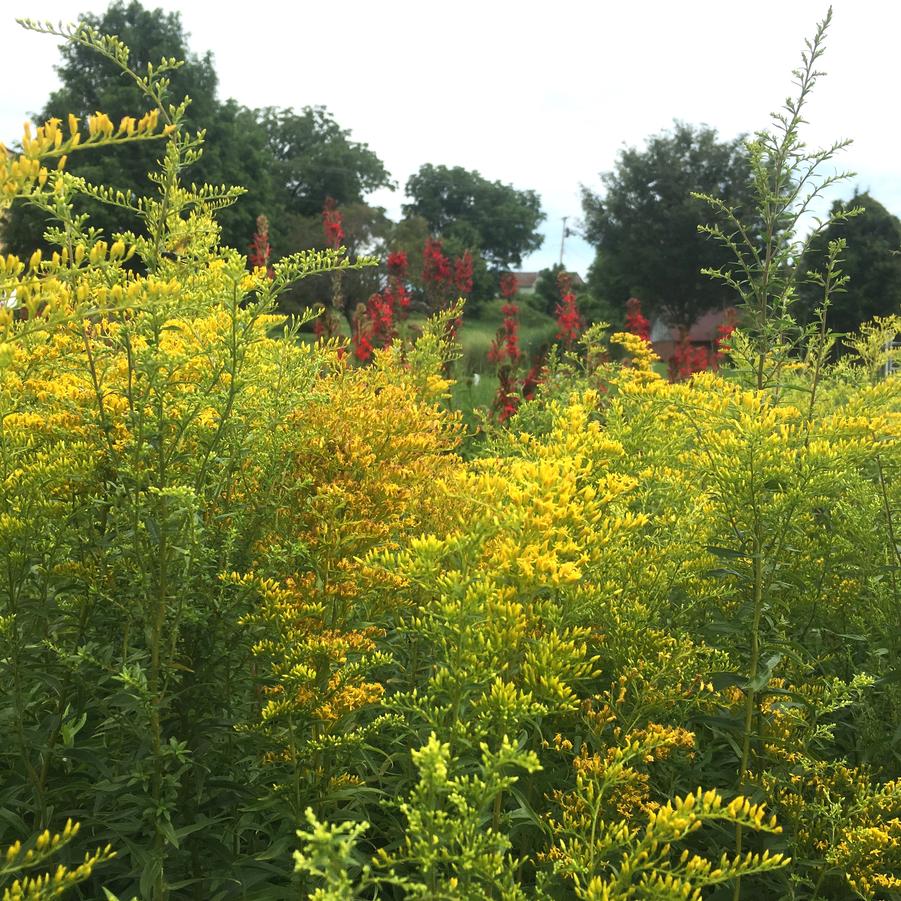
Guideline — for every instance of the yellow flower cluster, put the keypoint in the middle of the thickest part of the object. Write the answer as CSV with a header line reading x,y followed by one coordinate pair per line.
x,y
25,173
44,886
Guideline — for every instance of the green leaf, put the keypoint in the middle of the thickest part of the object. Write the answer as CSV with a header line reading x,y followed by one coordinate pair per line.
x,y
764,672
727,552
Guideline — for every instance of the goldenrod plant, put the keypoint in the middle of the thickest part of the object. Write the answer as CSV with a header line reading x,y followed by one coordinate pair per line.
x,y
18,861
255,600
789,179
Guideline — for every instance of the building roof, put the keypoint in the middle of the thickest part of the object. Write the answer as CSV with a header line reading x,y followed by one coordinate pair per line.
x,y
703,331
525,280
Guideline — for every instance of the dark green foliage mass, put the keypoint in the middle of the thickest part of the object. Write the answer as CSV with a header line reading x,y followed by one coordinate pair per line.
x,y
494,219
645,223
870,259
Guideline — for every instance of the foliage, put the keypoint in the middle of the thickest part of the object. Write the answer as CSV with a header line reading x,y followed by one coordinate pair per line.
x,y
869,259
642,643
647,203
496,220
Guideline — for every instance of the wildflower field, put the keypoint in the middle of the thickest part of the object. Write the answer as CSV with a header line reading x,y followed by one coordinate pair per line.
x,y
274,624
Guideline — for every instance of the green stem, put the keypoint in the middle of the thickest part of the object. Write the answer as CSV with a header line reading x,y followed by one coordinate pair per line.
x,y
751,694
159,616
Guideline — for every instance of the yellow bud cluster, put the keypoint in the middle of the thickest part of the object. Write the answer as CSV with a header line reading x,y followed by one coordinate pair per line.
x,y
25,173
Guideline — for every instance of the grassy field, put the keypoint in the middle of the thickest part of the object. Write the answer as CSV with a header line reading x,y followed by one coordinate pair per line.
x,y
536,331
476,382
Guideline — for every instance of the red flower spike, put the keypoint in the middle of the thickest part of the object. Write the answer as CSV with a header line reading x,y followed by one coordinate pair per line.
x,y
436,268
507,285
332,224
260,251
636,323
569,322
463,273
724,332
398,264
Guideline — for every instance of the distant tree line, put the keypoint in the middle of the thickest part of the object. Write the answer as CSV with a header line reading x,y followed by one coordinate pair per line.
x,y
644,226
643,222
289,161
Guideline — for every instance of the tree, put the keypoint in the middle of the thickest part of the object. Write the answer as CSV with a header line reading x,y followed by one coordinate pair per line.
x,y
311,158
466,210
645,225
366,232
236,151
870,260
314,158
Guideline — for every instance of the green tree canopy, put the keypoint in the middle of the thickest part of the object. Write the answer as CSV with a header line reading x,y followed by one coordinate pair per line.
x,y
314,158
644,225
311,157
870,259
288,161
235,150
468,211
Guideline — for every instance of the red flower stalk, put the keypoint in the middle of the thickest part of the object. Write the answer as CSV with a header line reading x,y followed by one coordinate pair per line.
x,y
700,358
399,297
687,358
380,312
505,352
463,273
396,292
505,347
534,377
680,362
507,285
398,264
332,223
361,334
260,250
569,322
723,333
362,347
436,269
507,399
437,274
326,326
636,323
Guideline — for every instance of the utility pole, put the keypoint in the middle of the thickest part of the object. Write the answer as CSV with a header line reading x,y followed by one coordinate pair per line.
x,y
562,239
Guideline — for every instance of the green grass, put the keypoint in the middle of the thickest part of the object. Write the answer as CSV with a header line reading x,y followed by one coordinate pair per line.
x,y
536,330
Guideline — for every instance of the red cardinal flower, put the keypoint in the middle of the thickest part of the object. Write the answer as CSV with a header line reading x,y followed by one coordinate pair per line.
x,y
332,223
636,323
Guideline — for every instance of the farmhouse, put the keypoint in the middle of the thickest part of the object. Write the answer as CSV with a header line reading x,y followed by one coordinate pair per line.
x,y
704,332
527,281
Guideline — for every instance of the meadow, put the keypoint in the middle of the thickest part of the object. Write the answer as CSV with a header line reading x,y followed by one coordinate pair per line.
x,y
267,632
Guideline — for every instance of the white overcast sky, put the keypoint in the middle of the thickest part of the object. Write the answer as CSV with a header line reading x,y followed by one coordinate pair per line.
x,y
540,95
